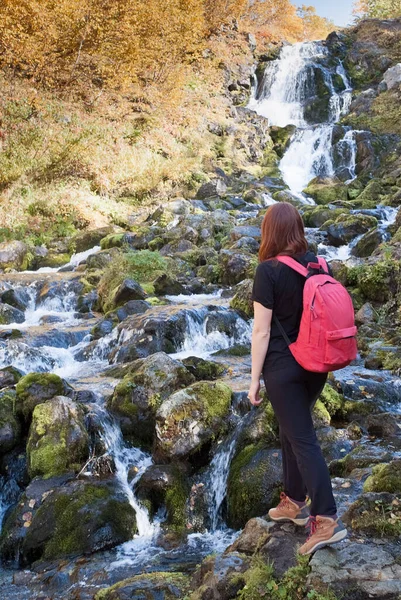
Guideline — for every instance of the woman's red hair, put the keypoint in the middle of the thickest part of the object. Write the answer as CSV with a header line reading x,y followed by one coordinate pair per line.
x,y
282,232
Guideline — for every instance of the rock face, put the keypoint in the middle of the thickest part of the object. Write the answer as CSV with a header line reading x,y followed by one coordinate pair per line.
x,y
36,388
128,290
147,383
58,441
190,418
392,77
14,255
253,484
58,518
367,569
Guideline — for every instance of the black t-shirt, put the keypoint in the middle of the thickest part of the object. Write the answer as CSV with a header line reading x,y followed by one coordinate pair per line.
x,y
280,288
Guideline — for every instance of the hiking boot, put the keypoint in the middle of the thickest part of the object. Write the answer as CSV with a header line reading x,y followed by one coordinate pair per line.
x,y
287,510
324,531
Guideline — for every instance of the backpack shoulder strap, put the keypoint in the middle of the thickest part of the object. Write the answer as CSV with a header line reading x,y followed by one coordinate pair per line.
x,y
293,264
323,263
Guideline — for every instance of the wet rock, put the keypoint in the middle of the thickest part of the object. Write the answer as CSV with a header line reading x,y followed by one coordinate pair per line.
x,y
36,388
164,486
242,300
87,302
203,369
9,376
217,187
235,267
128,290
253,484
366,314
56,289
147,383
104,327
383,425
9,314
58,441
344,230
133,307
14,255
259,424
152,586
18,299
219,577
368,243
356,570
245,231
254,535
366,157
101,259
10,429
360,457
246,244
60,517
392,77
191,418
367,388
326,191
167,285
281,137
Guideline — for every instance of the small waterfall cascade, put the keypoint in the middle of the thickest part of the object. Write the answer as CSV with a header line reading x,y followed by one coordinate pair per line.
x,y
219,470
303,88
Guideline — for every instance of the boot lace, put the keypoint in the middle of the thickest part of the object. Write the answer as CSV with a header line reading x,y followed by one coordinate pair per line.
x,y
284,501
313,525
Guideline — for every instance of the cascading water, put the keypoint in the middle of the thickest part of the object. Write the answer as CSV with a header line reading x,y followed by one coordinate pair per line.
x,y
289,94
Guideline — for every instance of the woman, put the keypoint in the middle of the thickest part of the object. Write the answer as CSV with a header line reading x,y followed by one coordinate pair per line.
x,y
292,391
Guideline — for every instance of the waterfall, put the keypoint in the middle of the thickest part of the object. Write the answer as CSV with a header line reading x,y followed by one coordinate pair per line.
x,y
219,470
295,87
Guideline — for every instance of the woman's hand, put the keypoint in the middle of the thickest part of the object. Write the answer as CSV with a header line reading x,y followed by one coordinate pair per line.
x,y
253,394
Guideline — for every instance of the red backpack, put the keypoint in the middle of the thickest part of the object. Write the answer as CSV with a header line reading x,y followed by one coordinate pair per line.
x,y
326,340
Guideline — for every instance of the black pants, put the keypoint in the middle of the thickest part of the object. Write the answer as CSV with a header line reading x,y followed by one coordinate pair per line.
x,y
293,392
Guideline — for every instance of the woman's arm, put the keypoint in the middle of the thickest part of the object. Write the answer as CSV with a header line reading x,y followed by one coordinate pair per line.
x,y
260,344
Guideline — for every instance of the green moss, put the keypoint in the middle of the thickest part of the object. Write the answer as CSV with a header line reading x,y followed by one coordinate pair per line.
x,y
55,260
385,478
326,192
242,301
321,414
204,369
377,282
8,420
216,398
332,401
35,388
375,516
112,240
167,584
175,500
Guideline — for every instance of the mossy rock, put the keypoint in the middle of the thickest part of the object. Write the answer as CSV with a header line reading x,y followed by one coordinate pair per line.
x,y
60,519
204,370
36,388
152,586
326,191
253,484
319,215
165,486
242,300
320,415
58,441
146,383
385,478
368,243
10,429
375,514
333,401
261,426
9,376
372,192
191,418
281,137
53,260
360,457
346,227
377,282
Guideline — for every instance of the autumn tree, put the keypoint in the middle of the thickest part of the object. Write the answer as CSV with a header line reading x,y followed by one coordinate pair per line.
x,y
314,26
378,9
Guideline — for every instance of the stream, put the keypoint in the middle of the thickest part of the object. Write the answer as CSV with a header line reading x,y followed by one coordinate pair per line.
x,y
56,335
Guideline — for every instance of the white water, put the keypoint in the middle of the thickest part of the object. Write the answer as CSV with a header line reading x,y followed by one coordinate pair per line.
x,y
219,470
74,261
288,83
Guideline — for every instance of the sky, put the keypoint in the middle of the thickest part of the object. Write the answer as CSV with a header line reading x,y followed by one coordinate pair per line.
x,y
339,11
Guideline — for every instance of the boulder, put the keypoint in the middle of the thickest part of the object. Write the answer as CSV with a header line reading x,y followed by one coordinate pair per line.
x,y
383,425
9,314
36,388
9,376
254,535
164,486
203,369
57,441
253,485
366,314
245,231
146,384
126,291
235,267
344,230
326,191
59,517
242,300
166,285
14,255
392,77
385,477
375,514
360,457
152,586
368,243
17,298
281,137
217,187
191,418
84,240
10,429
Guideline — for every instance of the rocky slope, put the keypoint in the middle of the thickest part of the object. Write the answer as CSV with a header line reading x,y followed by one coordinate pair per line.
x,y
124,411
